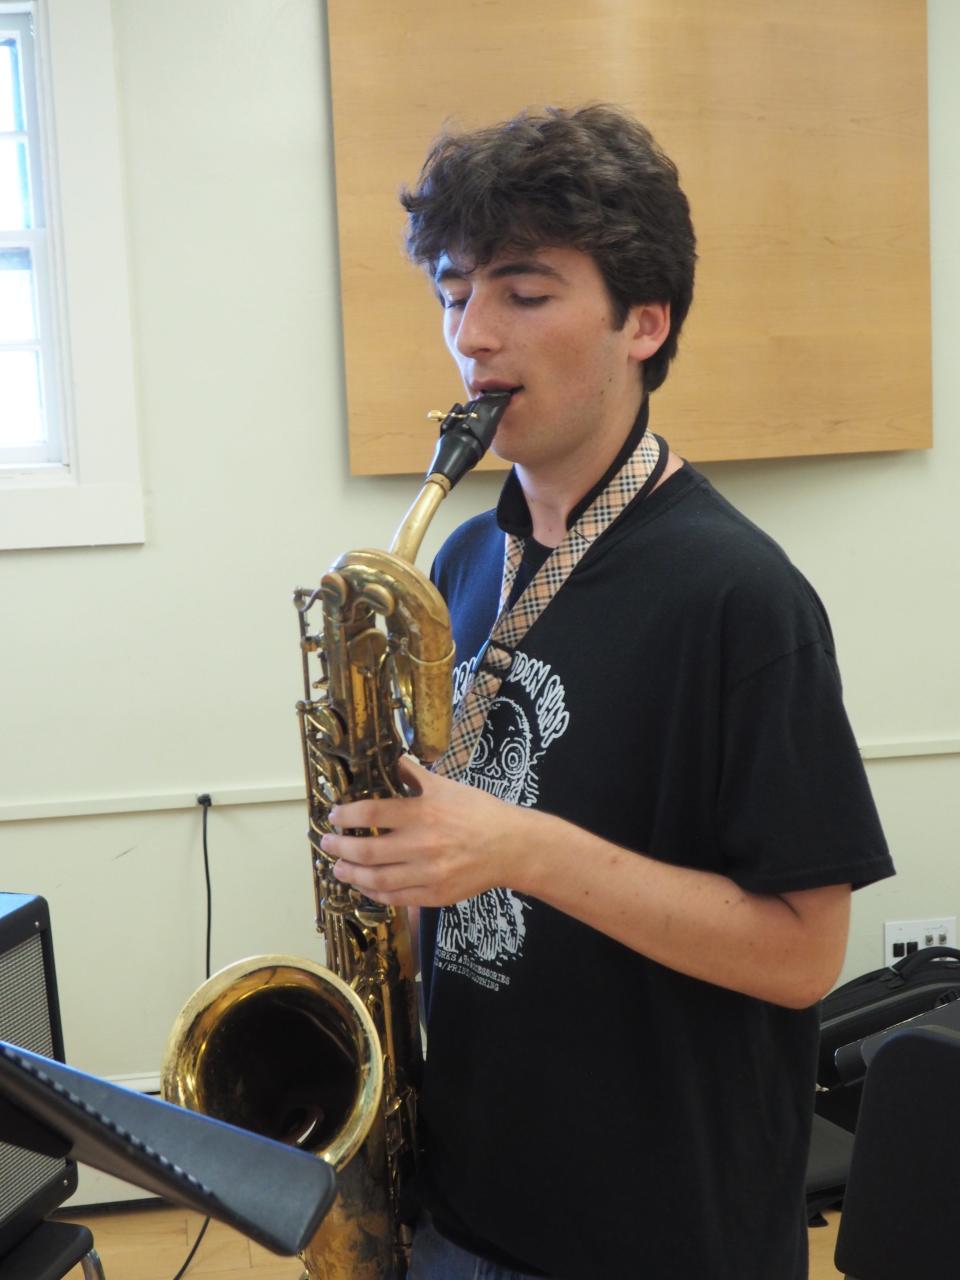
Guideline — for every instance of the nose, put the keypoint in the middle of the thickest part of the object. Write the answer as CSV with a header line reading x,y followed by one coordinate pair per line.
x,y
476,330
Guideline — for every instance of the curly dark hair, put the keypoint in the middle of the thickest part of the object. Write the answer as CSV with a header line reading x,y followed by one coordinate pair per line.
x,y
592,179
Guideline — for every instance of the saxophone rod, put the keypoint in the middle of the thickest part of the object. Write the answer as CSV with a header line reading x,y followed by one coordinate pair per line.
x,y
406,541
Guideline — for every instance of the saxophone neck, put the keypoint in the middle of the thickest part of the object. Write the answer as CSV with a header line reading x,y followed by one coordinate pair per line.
x,y
406,541
465,435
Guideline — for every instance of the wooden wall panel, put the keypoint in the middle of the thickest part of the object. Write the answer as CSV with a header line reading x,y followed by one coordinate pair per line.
x,y
800,131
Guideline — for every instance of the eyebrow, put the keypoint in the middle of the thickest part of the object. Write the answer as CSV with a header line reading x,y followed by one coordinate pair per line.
x,y
515,267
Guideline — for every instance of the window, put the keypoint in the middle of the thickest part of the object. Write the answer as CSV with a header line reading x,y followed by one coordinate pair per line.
x,y
69,463
29,376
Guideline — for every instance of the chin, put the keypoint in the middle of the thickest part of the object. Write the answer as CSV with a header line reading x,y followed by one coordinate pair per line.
x,y
507,451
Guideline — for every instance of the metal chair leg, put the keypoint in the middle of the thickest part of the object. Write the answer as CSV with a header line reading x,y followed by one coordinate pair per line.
x,y
92,1266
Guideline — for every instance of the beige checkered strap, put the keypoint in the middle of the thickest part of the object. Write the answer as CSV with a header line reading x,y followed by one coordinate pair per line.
x,y
496,657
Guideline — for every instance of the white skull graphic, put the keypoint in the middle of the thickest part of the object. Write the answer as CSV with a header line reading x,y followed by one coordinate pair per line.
x,y
502,759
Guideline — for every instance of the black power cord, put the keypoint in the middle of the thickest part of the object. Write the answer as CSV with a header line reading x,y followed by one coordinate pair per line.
x,y
205,801
196,1245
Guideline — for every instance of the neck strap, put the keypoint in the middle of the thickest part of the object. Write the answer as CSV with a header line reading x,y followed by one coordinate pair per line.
x,y
639,473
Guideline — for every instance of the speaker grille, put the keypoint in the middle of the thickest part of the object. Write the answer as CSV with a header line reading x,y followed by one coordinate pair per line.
x,y
24,1021
24,1014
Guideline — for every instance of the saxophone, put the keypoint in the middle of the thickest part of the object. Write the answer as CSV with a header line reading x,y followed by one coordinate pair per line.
x,y
328,1058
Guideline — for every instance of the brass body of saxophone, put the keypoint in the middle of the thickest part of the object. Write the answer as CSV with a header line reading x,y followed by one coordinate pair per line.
x,y
329,1058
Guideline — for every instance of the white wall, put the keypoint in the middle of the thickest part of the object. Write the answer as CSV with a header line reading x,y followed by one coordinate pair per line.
x,y
136,675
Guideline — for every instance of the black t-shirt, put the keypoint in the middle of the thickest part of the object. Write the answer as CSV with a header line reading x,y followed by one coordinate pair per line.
x,y
585,1111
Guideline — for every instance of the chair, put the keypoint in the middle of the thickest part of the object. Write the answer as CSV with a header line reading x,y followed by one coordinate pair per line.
x,y
50,1251
900,1207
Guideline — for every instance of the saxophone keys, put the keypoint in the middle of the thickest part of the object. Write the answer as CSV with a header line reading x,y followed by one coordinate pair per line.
x,y
379,598
334,589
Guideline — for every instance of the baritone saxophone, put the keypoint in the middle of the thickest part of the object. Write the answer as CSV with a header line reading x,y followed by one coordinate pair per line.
x,y
328,1058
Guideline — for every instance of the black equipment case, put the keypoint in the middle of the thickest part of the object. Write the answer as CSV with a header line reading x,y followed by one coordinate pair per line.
x,y
871,1003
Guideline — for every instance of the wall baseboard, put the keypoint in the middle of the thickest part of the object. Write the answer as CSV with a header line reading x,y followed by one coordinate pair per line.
x,y
908,749
99,806
282,793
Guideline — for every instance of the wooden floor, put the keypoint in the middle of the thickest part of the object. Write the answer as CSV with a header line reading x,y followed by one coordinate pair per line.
x,y
152,1242
823,1241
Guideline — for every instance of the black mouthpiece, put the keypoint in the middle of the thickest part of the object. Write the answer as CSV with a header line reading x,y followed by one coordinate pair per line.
x,y
466,433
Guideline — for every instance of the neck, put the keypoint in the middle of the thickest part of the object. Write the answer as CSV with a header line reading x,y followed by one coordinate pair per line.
x,y
552,489
549,505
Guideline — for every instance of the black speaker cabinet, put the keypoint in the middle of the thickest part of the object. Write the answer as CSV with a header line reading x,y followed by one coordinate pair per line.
x,y
31,1185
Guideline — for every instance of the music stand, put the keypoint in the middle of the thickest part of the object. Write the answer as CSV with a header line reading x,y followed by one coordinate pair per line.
x,y
274,1194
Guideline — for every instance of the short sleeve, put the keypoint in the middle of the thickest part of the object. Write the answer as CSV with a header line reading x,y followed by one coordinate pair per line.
x,y
795,809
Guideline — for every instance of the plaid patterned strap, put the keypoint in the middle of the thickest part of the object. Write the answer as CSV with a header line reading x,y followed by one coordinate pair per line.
x,y
495,659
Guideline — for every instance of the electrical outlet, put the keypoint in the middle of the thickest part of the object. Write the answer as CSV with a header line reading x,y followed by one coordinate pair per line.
x,y
904,937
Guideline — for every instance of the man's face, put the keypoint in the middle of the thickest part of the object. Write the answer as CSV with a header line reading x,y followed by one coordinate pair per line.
x,y
541,321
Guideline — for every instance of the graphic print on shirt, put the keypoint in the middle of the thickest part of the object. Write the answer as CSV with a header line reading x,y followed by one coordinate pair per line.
x,y
482,937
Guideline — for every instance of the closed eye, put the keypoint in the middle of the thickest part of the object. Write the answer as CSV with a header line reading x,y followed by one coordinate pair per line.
x,y
525,300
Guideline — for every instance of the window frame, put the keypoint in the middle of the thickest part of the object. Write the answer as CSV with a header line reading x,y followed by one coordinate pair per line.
x,y
93,495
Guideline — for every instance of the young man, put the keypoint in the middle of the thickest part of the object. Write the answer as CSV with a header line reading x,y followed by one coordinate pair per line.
x,y
638,887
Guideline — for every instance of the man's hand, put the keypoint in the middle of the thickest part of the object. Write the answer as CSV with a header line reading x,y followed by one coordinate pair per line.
x,y
441,846
452,842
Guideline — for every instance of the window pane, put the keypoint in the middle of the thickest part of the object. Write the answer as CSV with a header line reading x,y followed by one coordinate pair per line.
x,y
17,320
14,186
11,97
21,417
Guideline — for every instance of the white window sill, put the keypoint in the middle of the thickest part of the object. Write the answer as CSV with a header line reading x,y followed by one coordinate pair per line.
x,y
49,509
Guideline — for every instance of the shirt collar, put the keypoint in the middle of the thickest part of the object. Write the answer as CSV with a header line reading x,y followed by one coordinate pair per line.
x,y
513,514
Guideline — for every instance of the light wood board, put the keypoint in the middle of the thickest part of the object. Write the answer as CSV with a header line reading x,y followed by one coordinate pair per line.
x,y
800,131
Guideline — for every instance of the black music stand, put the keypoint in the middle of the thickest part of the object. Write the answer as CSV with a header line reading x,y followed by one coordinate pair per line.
x,y
274,1194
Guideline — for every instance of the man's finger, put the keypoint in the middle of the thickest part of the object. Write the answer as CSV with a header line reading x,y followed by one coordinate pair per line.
x,y
394,877
364,850
367,813
413,773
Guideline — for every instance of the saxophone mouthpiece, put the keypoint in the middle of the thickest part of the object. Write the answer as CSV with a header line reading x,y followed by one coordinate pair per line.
x,y
466,433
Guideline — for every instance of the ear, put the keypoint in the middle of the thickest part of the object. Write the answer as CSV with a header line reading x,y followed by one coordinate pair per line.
x,y
648,327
